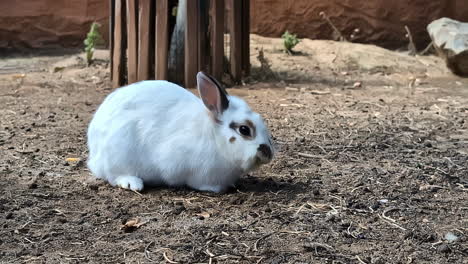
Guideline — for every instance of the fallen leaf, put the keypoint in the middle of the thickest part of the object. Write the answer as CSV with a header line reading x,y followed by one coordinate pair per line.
x,y
18,76
57,69
204,215
131,225
292,89
72,159
318,92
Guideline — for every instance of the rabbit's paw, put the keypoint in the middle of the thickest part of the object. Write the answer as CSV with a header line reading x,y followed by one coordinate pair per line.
x,y
130,182
212,188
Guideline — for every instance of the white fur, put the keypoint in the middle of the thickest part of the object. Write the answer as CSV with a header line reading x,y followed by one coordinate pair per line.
x,y
158,133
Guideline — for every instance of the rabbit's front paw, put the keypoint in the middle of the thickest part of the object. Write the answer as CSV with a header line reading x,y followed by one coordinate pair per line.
x,y
130,182
212,188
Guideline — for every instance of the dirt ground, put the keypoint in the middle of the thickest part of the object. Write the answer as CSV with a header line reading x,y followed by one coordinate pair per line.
x,y
372,167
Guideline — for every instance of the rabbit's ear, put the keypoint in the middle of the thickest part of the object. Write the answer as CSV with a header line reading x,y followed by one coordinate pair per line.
x,y
212,94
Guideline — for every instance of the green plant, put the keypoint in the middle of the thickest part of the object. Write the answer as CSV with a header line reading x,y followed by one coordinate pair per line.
x,y
289,41
93,38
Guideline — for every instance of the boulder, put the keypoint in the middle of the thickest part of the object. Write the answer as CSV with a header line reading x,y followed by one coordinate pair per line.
x,y
450,39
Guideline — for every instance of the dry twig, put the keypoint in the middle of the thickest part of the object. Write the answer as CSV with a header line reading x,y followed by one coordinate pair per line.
x,y
258,240
360,260
305,155
426,50
411,46
391,220
147,252
167,259
335,29
320,245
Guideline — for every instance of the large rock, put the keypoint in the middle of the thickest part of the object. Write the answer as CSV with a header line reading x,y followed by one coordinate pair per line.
x,y
450,38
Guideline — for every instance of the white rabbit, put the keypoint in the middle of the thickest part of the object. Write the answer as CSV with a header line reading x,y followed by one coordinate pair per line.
x,y
158,133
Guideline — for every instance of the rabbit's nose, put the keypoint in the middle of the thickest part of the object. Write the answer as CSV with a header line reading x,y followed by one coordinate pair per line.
x,y
265,151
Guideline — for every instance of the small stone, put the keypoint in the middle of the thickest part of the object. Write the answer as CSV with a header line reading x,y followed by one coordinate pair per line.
x,y
451,237
9,215
93,187
316,191
357,85
428,144
444,248
179,209
375,206
450,38
62,220
330,218
408,234
378,260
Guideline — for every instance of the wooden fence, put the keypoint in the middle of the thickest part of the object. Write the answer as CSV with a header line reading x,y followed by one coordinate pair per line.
x,y
140,32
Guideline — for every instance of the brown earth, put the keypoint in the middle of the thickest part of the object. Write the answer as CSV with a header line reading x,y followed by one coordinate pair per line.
x,y
46,23
380,22
372,167
42,23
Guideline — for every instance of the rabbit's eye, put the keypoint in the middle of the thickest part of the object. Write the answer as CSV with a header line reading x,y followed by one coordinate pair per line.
x,y
244,130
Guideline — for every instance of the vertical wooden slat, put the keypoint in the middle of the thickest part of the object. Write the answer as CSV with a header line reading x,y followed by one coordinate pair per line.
x,y
202,34
131,41
111,36
144,38
117,50
161,39
191,43
235,31
246,37
217,38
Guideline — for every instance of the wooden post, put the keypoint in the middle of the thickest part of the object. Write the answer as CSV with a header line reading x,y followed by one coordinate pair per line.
x,y
118,50
162,39
111,36
235,31
144,37
191,44
131,42
246,37
203,9
217,38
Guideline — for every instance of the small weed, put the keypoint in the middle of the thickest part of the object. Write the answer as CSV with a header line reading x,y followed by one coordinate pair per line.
x,y
289,41
265,72
93,38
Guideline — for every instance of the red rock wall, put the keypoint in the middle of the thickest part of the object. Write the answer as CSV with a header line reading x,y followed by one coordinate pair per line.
x,y
39,23
380,21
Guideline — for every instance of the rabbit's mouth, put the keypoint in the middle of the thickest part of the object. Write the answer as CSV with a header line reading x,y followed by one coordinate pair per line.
x,y
260,160
256,161
264,154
